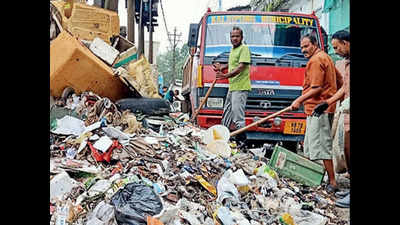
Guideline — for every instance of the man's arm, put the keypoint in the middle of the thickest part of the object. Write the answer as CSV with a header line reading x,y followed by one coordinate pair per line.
x,y
338,95
233,73
313,92
219,67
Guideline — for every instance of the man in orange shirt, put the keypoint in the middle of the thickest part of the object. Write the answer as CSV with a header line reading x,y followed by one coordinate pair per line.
x,y
321,81
341,45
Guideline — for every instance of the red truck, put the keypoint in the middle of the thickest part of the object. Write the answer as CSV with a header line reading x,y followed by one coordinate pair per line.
x,y
276,71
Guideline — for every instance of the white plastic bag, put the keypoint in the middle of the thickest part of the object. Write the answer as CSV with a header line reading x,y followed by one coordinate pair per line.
x,y
239,178
69,125
226,189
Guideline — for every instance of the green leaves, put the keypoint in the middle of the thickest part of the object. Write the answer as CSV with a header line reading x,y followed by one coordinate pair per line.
x,y
165,63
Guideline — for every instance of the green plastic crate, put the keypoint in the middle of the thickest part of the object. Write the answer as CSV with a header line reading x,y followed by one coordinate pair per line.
x,y
296,167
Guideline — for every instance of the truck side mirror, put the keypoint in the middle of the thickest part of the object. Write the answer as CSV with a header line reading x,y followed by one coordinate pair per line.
x,y
193,35
325,39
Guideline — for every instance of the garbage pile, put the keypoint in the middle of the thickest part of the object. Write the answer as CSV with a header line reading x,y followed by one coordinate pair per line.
x,y
110,166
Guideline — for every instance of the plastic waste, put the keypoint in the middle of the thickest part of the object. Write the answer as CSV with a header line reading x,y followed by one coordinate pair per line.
x,y
135,202
113,132
226,190
92,127
239,178
189,217
239,218
158,188
69,125
219,147
304,217
103,214
71,153
62,214
225,216
216,132
60,185
266,171
259,152
100,186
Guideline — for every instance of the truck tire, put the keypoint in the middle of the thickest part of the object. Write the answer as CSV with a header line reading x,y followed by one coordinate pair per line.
x,y
148,106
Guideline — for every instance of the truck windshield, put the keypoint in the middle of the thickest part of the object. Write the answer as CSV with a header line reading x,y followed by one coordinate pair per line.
x,y
267,36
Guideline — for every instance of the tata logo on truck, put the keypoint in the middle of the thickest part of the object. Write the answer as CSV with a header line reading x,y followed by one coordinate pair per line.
x,y
266,92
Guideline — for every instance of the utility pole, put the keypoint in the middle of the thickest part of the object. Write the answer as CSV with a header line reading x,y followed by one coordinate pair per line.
x,y
111,5
141,30
131,20
173,49
151,32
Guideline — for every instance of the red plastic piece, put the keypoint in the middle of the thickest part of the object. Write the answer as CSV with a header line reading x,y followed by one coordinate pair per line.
x,y
106,155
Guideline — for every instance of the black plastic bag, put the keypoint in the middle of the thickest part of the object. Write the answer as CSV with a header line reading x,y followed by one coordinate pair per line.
x,y
134,203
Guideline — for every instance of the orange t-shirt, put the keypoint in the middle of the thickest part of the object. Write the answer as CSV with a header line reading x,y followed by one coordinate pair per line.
x,y
320,71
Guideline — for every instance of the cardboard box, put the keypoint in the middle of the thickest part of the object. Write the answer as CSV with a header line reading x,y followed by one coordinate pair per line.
x,y
73,65
88,22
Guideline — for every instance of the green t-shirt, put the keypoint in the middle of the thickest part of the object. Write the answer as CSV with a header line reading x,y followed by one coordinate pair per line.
x,y
242,80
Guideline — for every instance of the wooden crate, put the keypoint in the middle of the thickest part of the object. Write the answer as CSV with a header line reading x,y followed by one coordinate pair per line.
x,y
296,167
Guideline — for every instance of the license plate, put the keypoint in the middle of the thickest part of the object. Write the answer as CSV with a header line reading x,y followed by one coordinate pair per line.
x,y
295,127
215,102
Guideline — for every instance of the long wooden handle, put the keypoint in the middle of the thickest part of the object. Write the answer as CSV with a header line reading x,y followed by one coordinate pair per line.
x,y
204,100
260,121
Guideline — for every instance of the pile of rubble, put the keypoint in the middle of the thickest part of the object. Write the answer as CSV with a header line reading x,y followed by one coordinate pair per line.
x,y
117,167
87,53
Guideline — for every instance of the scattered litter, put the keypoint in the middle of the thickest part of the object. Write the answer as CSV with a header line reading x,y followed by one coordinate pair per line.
x,y
117,159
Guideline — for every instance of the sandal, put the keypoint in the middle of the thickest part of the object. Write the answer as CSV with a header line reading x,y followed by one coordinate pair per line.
x,y
331,189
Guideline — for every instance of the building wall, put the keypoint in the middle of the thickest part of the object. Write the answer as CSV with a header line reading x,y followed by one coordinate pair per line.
x,y
335,18
307,7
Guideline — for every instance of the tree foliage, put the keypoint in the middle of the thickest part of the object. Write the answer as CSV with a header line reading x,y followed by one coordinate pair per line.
x,y
165,64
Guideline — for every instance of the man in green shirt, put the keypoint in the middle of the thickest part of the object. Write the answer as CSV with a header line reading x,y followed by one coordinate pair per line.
x,y
238,74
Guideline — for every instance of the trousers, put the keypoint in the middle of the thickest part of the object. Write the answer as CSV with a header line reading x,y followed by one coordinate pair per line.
x,y
235,105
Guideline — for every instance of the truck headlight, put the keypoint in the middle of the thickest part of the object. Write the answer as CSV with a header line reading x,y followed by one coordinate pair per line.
x,y
277,121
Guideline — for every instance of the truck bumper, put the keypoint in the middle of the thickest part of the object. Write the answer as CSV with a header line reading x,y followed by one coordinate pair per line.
x,y
251,135
254,133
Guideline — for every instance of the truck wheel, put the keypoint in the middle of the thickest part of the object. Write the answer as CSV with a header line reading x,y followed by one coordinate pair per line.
x,y
148,106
